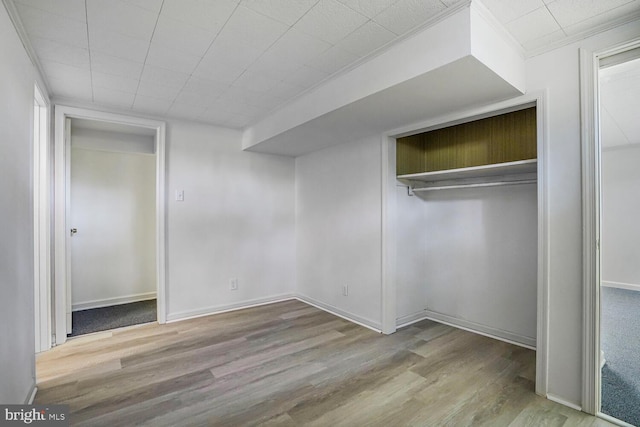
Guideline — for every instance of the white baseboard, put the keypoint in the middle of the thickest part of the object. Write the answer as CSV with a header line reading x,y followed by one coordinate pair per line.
x,y
563,402
86,305
613,420
31,395
207,311
499,334
410,319
619,285
367,323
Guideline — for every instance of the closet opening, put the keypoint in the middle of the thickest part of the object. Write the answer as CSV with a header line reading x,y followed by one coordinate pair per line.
x,y
467,227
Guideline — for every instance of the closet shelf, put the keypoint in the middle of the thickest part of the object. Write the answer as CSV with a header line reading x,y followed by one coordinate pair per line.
x,y
518,172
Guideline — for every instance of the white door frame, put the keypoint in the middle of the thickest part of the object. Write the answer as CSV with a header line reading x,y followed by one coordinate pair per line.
x,y
42,221
388,141
591,211
62,226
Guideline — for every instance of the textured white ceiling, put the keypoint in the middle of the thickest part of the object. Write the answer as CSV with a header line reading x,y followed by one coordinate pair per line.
x,y
230,62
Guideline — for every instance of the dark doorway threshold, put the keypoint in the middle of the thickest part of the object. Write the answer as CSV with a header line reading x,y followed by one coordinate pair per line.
x,y
112,317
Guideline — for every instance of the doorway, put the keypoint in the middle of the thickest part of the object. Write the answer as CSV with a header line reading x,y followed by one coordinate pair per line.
x,y
112,220
619,100
609,193
95,154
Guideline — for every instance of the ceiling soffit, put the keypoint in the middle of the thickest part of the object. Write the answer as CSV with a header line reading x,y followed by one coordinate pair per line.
x,y
436,71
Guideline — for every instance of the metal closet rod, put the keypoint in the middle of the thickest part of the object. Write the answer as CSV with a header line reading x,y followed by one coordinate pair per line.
x,y
482,184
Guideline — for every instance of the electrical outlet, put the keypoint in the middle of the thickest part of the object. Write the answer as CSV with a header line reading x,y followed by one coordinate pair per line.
x,y
345,290
233,284
179,195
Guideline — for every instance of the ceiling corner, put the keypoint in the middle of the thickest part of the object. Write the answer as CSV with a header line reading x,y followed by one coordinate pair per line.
x,y
26,43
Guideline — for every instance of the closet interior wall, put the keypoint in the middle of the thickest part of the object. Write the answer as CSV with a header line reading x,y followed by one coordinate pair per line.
x,y
468,255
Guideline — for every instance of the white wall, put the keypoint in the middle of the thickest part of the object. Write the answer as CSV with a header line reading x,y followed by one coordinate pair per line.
x,y
481,259
620,208
17,351
557,72
338,228
95,139
469,257
411,248
113,208
237,220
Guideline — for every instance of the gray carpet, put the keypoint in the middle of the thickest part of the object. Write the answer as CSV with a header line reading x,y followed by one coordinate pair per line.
x,y
620,337
116,316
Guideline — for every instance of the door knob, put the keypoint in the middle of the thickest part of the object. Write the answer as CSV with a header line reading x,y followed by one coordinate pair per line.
x,y
74,231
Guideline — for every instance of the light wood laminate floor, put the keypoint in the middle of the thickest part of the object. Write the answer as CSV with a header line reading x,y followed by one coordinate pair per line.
x,y
291,364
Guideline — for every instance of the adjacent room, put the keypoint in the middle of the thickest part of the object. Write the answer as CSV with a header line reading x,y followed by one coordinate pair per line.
x,y
620,290
318,212
112,186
